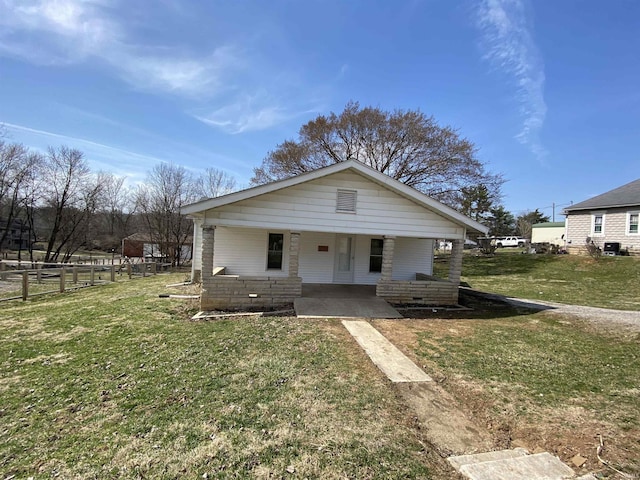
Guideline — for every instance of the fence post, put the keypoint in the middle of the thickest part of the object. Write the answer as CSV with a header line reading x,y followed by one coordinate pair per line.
x,y
25,285
92,276
3,267
154,269
113,272
39,273
75,274
144,269
129,270
62,275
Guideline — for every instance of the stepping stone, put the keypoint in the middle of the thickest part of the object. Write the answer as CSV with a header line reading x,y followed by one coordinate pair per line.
x,y
540,466
459,461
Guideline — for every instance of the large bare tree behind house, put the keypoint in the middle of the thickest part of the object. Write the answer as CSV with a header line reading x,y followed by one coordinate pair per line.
x,y
406,145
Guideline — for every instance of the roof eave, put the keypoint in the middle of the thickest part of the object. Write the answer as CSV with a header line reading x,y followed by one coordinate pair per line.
x,y
600,207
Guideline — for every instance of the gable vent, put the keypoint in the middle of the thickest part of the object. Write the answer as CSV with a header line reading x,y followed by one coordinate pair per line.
x,y
346,201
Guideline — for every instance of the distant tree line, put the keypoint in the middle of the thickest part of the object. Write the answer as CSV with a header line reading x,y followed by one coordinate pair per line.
x,y
479,204
55,201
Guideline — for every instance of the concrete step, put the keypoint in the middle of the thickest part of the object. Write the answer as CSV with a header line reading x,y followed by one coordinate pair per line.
x,y
460,460
540,466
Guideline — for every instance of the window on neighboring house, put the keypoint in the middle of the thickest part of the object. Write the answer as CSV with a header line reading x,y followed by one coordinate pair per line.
x,y
274,251
598,224
375,256
633,220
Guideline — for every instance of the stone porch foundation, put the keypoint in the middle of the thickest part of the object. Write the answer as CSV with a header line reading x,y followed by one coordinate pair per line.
x,y
231,292
421,292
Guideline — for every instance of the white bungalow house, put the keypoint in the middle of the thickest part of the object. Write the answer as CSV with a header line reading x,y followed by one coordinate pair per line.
x,y
343,224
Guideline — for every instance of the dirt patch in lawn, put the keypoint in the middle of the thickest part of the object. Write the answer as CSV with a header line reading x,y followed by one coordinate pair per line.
x,y
564,420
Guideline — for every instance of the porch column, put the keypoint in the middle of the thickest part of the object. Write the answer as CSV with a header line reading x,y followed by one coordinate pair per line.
x,y
208,232
196,267
455,262
387,258
294,253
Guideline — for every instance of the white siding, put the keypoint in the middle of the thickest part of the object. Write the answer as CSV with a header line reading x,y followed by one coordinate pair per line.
x,y
411,256
311,207
243,251
315,266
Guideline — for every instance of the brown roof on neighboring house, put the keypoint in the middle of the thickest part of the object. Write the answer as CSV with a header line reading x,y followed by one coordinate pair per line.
x,y
146,238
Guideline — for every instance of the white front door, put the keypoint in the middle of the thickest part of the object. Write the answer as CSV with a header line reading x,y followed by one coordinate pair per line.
x,y
343,267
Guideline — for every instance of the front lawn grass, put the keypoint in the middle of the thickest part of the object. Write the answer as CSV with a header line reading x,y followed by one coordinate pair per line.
x,y
609,282
113,382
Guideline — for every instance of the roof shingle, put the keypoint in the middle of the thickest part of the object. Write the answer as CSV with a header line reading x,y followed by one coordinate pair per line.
x,y
624,196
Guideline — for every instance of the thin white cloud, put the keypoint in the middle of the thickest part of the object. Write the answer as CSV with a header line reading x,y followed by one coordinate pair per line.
x,y
508,44
190,76
103,157
249,113
71,31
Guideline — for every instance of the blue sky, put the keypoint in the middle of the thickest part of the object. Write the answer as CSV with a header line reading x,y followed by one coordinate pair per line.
x,y
549,91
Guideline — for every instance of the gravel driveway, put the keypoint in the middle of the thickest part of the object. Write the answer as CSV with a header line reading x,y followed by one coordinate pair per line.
x,y
626,319
630,320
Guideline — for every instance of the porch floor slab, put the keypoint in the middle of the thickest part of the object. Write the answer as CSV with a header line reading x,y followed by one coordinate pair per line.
x,y
342,301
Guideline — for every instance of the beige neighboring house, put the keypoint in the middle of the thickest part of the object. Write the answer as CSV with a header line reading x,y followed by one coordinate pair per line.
x,y
610,221
548,232
343,224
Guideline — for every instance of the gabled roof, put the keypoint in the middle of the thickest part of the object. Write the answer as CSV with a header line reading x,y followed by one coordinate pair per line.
x,y
625,196
364,170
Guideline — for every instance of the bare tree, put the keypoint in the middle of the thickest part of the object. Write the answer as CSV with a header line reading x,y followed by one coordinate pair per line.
x,y
167,188
525,221
32,195
214,183
116,211
70,193
404,144
17,167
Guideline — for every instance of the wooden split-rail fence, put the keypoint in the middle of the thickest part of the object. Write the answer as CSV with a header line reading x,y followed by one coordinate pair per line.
x,y
18,283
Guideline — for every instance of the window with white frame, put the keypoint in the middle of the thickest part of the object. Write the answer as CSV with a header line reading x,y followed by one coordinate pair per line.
x,y
375,255
597,223
632,223
274,251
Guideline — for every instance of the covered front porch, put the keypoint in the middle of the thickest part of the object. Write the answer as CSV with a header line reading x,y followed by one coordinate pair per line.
x,y
385,264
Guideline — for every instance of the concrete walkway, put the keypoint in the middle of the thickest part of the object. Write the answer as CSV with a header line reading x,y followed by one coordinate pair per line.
x,y
444,424
393,363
